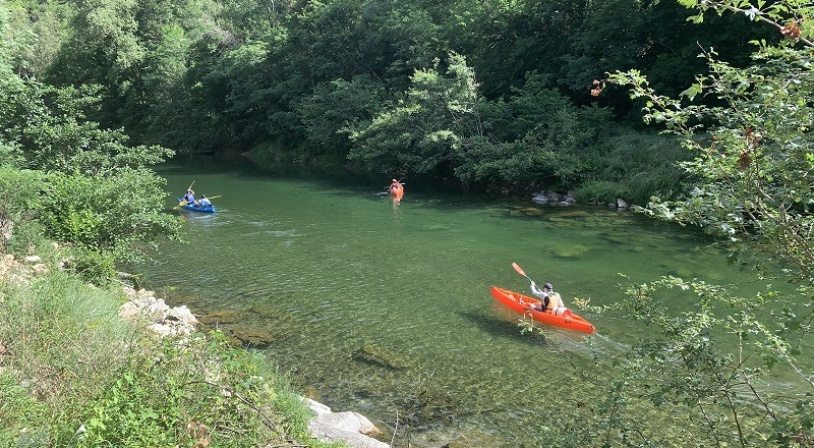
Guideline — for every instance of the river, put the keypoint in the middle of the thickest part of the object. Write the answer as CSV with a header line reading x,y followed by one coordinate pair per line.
x,y
385,309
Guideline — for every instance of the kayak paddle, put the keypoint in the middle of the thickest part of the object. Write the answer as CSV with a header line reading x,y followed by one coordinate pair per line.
x,y
520,271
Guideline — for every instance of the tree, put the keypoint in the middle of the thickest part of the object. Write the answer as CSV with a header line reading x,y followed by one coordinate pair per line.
x,y
750,187
753,154
81,182
337,107
422,133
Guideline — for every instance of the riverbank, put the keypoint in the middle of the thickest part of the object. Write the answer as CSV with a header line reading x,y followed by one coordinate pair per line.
x,y
82,365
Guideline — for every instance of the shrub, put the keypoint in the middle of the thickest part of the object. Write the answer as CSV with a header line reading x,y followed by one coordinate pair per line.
x,y
108,214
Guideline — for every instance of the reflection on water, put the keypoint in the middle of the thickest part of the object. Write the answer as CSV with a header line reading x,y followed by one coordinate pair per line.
x,y
385,308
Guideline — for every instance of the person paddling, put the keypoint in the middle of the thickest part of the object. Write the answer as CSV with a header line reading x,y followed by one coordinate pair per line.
x,y
395,186
550,300
396,190
189,197
203,202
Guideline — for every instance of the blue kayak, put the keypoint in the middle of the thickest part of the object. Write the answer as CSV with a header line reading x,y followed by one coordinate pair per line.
x,y
191,207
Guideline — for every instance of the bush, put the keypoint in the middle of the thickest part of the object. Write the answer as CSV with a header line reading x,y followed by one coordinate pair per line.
x,y
93,267
20,192
107,214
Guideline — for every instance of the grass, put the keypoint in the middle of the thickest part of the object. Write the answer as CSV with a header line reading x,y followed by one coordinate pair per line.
x,y
74,374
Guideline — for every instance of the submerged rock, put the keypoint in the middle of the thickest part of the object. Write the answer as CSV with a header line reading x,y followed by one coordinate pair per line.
x,y
222,317
251,337
377,355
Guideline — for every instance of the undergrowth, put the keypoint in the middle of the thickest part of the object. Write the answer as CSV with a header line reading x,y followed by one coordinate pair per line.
x,y
75,374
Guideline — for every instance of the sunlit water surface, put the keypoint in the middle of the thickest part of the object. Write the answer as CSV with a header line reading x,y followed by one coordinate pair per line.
x,y
386,310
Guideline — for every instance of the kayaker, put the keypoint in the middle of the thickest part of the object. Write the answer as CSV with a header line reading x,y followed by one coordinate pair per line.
x,y
395,185
396,191
203,202
189,198
551,300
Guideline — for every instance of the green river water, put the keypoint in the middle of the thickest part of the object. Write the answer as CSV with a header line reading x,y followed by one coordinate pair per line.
x,y
386,310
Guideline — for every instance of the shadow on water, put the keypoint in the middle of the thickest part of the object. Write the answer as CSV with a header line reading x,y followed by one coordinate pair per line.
x,y
503,328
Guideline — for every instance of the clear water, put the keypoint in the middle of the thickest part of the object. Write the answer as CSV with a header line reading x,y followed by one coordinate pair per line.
x,y
386,310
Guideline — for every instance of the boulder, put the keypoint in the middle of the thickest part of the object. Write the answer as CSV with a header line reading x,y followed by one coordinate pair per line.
x,y
350,427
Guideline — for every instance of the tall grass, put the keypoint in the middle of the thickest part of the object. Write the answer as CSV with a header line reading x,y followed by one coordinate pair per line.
x,y
74,374
636,167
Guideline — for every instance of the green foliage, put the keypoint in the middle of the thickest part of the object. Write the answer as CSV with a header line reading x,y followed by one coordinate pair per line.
x,y
423,132
163,72
35,33
749,187
176,402
11,155
20,191
92,266
81,376
701,376
602,192
752,167
52,125
110,214
64,337
335,108
17,407
635,167
207,76
98,192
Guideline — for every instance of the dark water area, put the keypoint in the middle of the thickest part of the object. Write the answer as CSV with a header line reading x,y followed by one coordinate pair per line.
x,y
385,309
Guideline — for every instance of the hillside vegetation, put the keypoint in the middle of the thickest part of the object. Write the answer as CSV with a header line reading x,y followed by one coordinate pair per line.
x,y
493,96
490,96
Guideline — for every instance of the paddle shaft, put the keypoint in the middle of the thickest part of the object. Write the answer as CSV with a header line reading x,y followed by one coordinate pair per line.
x,y
520,271
399,181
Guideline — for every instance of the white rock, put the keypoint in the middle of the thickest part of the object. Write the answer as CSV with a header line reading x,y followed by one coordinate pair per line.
x,y
350,427
183,315
129,311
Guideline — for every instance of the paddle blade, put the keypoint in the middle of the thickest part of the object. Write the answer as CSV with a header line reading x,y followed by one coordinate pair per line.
x,y
519,271
215,196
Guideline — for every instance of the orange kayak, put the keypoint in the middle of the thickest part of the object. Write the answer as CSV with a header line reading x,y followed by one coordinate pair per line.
x,y
397,192
522,304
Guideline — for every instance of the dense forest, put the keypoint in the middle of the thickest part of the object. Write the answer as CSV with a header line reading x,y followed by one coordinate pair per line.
x,y
492,96
496,96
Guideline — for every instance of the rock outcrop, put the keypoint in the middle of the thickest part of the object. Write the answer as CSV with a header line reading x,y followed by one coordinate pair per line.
x,y
352,428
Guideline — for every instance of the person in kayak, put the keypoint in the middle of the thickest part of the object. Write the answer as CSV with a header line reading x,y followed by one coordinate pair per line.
x,y
550,300
203,202
189,197
396,191
395,185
